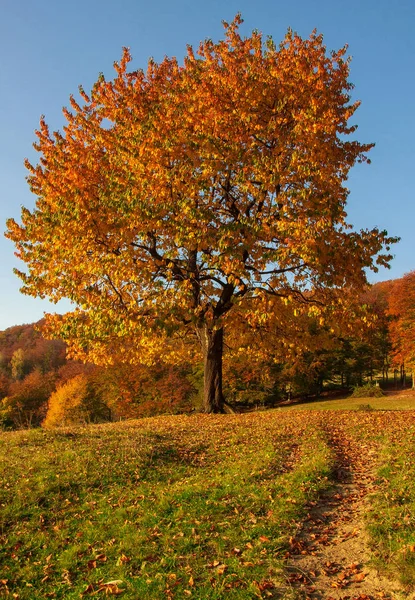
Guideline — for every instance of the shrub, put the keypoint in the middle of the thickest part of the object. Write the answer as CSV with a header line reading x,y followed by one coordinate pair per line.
x,y
367,391
365,407
6,414
75,403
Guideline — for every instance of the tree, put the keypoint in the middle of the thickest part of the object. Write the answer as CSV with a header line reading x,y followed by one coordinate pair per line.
x,y
26,404
401,309
132,391
18,364
180,196
378,336
75,402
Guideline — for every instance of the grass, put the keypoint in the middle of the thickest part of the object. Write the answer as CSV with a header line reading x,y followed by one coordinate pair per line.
x,y
392,519
349,403
200,507
170,507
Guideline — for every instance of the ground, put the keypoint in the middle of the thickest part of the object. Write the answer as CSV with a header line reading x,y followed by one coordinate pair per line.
x,y
331,555
284,504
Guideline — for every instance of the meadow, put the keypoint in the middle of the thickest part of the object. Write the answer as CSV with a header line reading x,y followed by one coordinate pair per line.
x,y
201,506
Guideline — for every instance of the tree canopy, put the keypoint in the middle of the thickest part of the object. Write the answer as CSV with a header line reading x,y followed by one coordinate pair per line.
x,y
178,199
401,310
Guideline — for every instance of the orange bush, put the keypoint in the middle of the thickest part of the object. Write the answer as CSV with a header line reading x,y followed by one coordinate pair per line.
x,y
74,403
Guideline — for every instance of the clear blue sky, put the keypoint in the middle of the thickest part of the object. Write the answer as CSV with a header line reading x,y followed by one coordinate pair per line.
x,y
48,48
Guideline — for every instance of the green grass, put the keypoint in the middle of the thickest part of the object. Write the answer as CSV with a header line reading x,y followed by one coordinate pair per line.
x,y
392,519
197,507
200,507
349,403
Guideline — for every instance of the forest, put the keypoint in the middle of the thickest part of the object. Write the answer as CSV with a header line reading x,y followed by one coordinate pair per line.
x,y
39,385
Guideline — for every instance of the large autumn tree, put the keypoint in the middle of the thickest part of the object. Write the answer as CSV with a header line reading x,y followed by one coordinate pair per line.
x,y
180,197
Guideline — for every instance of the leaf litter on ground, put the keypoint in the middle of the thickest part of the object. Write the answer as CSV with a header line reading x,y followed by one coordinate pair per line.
x,y
200,507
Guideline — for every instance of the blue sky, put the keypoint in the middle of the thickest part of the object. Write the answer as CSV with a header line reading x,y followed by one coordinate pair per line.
x,y
48,48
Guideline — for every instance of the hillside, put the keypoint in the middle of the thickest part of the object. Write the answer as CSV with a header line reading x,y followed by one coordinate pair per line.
x,y
32,368
209,507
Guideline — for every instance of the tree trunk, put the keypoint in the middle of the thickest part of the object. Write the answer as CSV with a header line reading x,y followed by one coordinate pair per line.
x,y
403,376
212,346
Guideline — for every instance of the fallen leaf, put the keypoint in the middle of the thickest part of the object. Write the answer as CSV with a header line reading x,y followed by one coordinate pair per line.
x,y
89,590
101,557
111,588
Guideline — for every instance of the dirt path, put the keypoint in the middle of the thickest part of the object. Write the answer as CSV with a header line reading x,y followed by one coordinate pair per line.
x,y
330,556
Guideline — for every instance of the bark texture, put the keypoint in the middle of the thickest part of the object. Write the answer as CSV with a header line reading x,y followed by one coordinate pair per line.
x,y
212,347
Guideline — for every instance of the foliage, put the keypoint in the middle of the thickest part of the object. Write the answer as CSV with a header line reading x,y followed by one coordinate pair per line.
x,y
75,402
29,367
72,369
25,406
38,352
128,390
4,385
17,364
401,308
369,390
143,391
177,200
252,381
378,337
300,356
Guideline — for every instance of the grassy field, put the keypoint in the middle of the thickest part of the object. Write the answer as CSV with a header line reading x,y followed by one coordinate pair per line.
x,y
392,520
174,507
404,402
167,507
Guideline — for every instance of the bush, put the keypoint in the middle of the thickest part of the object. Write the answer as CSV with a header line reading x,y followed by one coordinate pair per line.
x,y
365,407
367,391
6,414
75,403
